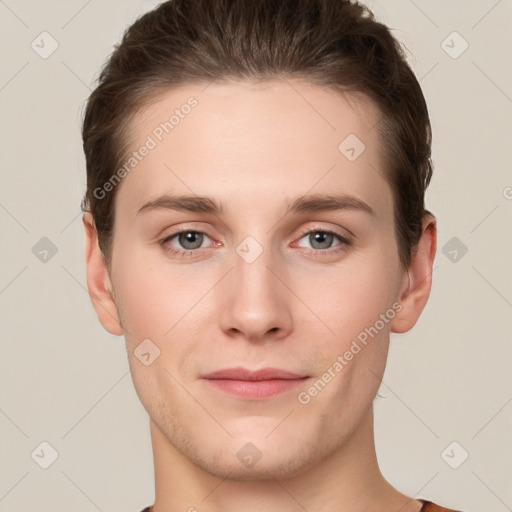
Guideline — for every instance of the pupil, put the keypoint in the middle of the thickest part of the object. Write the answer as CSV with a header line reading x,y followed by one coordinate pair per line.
x,y
191,237
322,238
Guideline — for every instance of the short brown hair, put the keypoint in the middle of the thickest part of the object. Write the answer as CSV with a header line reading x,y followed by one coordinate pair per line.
x,y
333,43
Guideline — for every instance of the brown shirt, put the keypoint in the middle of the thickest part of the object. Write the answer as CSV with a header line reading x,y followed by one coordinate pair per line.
x,y
428,506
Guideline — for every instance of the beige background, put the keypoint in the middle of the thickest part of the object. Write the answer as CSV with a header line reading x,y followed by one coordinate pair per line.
x,y
66,382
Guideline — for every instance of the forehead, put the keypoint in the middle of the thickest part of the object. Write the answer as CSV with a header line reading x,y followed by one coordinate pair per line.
x,y
213,139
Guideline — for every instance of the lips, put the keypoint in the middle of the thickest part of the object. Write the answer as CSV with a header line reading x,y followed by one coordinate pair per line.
x,y
254,384
256,375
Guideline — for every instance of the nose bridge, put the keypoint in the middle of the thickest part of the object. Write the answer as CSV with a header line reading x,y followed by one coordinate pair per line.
x,y
256,284
255,302
251,268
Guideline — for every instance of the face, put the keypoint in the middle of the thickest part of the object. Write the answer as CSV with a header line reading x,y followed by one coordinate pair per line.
x,y
282,257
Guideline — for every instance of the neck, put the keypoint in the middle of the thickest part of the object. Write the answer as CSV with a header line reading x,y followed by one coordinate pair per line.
x,y
348,479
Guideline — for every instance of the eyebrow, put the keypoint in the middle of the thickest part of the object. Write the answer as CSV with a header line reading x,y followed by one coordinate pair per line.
x,y
303,204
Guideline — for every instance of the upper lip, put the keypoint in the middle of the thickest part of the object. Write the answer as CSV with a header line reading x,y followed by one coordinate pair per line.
x,y
254,375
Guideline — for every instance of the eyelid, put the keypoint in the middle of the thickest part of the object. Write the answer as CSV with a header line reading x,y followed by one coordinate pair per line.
x,y
343,239
323,229
335,250
166,240
305,231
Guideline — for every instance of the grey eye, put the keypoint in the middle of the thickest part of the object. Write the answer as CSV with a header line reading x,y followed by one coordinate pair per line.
x,y
190,240
321,239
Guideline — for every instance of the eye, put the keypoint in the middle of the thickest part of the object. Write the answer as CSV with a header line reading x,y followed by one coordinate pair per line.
x,y
188,241
321,241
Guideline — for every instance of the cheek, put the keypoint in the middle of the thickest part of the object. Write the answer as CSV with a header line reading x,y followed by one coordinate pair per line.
x,y
144,296
154,306
356,303
160,300
350,296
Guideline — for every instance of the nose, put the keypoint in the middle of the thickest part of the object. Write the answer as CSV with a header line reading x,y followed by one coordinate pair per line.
x,y
255,302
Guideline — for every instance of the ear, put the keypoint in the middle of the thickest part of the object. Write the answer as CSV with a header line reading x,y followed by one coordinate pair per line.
x,y
418,279
98,279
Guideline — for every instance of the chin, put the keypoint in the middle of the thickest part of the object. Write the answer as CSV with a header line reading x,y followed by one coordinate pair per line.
x,y
280,468
259,460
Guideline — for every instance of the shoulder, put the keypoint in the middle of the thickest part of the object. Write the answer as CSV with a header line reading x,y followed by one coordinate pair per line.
x,y
428,506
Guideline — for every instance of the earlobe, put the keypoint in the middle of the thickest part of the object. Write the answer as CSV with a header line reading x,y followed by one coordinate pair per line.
x,y
418,281
98,279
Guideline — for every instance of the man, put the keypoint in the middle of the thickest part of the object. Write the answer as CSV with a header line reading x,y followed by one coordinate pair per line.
x,y
255,228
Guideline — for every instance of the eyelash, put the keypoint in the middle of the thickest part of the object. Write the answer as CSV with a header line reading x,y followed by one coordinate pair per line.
x,y
320,253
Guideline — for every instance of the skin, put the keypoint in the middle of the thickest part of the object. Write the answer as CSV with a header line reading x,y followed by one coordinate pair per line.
x,y
254,148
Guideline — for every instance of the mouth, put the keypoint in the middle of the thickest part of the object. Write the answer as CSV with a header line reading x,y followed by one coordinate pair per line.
x,y
254,385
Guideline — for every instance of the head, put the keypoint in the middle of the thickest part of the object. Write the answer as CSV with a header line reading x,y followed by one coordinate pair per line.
x,y
301,140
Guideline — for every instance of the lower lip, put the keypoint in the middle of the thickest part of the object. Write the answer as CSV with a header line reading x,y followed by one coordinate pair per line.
x,y
255,389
